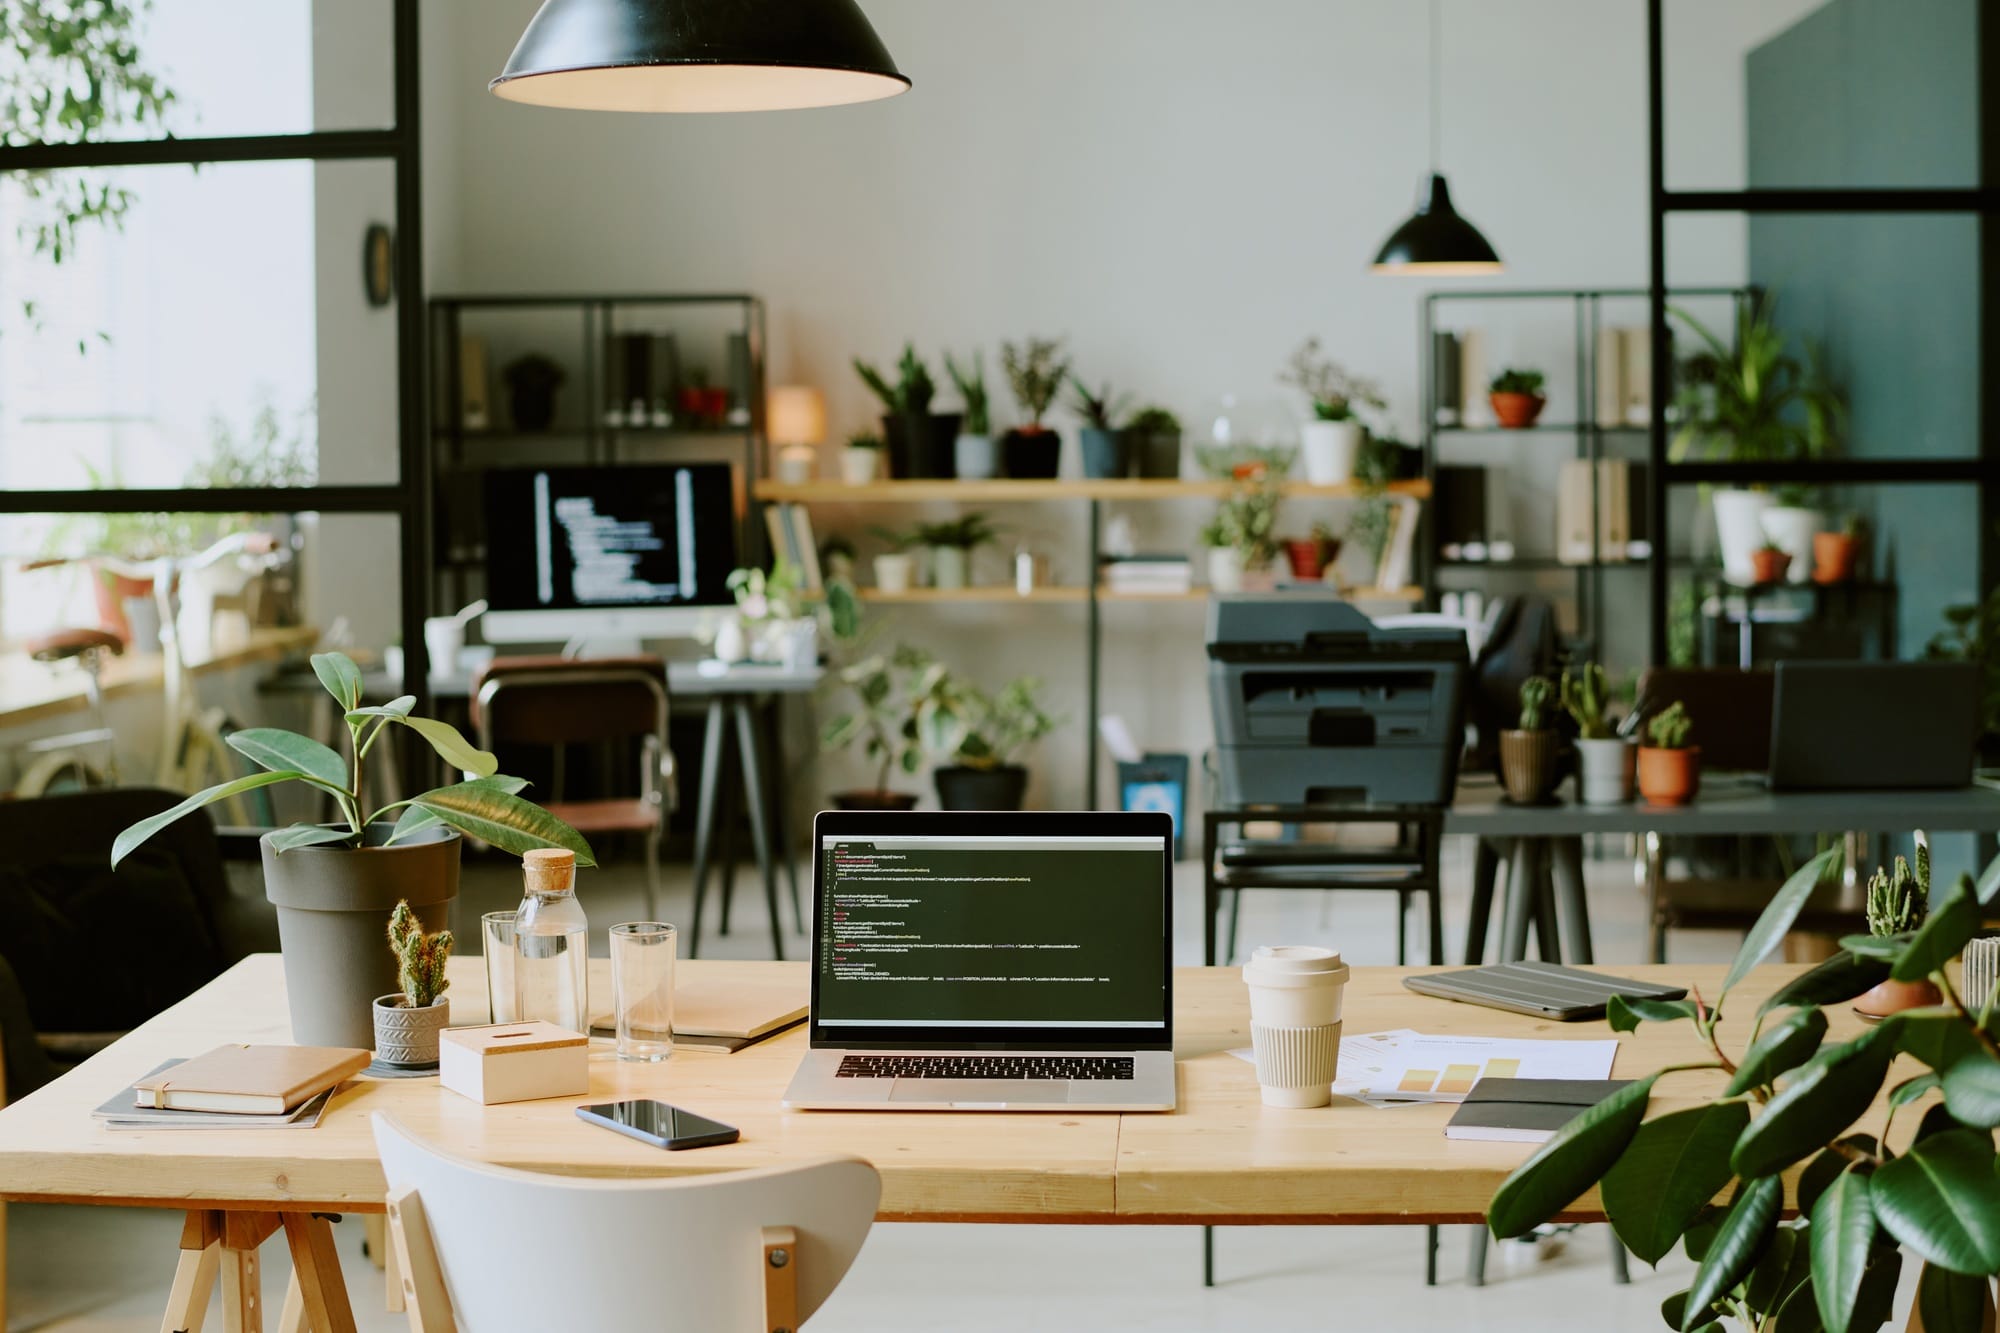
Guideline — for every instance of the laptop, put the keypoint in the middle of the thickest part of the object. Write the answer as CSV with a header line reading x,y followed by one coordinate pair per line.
x,y
1867,726
990,962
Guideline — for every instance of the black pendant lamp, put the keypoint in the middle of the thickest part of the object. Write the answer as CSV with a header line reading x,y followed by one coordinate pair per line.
x,y
698,55
1436,241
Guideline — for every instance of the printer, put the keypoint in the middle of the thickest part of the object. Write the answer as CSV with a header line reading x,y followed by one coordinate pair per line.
x,y
1317,705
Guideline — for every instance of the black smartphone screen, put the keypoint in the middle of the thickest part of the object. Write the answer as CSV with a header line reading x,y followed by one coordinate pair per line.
x,y
657,1123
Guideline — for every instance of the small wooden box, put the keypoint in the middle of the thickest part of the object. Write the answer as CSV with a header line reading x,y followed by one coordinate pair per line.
x,y
514,1062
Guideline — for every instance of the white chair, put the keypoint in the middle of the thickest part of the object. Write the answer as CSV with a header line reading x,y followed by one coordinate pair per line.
x,y
489,1249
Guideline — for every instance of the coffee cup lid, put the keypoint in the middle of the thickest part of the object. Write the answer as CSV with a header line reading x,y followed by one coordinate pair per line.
x,y
1295,958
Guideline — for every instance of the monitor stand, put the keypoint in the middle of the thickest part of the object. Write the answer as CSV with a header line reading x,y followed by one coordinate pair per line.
x,y
603,645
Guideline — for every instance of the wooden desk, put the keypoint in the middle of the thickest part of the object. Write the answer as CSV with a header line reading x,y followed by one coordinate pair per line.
x,y
31,691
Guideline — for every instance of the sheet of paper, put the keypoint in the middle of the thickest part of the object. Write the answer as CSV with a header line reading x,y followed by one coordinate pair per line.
x,y
1400,1067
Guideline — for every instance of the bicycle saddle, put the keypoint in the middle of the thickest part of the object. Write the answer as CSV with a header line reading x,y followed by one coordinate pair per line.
x,y
64,644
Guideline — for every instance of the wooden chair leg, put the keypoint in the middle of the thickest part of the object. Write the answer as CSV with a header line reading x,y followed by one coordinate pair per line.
x,y
194,1276
425,1299
392,1273
292,1319
781,1279
317,1264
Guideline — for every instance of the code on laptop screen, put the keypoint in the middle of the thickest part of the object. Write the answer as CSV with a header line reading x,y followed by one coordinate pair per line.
x,y
992,932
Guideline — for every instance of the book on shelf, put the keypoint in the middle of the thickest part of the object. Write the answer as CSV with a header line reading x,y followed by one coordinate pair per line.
x,y
1474,410
1161,575
1449,392
1396,566
1613,535
790,529
1624,376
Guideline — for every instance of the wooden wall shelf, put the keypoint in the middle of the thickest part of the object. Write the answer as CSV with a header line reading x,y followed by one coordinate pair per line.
x,y
997,593
1006,491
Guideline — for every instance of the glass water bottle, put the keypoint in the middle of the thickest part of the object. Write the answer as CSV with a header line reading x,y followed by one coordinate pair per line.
x,y
552,944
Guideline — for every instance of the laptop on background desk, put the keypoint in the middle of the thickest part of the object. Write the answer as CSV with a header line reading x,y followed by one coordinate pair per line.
x,y
1871,726
990,962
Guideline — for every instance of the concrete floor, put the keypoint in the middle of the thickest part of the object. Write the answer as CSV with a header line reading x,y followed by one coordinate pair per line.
x,y
90,1270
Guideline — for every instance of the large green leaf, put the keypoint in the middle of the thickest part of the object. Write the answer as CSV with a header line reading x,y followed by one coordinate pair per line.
x,y
308,835
1674,1308
453,748
288,752
1777,918
1878,1286
1625,1013
1944,933
1779,1051
1799,1313
1787,1262
1570,1163
146,828
1669,1171
1938,1037
1822,1170
1824,1097
1887,948
415,817
399,706
1951,1302
1745,1232
341,677
1835,981
1912,1088
1942,1200
1972,1092
1701,1234
508,822
1843,1237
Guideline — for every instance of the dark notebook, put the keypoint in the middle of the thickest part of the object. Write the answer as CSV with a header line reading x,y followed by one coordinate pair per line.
x,y
1526,1110
1542,989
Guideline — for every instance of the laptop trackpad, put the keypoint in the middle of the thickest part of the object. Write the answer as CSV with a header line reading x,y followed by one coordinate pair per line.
x,y
979,1090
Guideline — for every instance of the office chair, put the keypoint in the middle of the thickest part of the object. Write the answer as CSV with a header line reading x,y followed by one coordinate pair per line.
x,y
558,702
490,1249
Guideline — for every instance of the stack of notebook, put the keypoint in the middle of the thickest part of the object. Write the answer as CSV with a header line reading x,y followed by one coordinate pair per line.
x,y
235,1087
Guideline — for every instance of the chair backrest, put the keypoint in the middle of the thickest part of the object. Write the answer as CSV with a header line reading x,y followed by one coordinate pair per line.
x,y
559,701
1731,710
521,1250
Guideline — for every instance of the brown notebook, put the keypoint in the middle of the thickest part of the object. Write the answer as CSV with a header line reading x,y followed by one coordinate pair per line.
x,y
737,1008
249,1080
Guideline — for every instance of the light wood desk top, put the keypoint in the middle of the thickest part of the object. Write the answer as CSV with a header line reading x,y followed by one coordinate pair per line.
x,y
1223,1157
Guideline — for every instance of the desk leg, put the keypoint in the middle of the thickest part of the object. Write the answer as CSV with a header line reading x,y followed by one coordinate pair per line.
x,y
781,808
704,818
321,1287
1486,858
760,834
1210,895
292,1318
1548,942
1208,1256
1520,901
194,1276
1568,869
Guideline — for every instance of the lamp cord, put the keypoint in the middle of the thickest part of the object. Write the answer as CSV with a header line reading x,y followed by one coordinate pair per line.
x,y
1437,85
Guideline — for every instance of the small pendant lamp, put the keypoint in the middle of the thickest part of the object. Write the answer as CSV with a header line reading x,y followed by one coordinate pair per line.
x,y
1435,241
698,55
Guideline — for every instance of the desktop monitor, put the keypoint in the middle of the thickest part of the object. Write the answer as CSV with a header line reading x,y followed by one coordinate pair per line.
x,y
608,554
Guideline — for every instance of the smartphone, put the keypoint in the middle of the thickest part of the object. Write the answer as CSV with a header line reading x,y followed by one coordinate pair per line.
x,y
659,1124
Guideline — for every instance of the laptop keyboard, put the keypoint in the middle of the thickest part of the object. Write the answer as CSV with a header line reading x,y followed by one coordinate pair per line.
x,y
986,1066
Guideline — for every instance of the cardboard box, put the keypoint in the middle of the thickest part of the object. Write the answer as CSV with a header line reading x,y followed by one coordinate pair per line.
x,y
514,1062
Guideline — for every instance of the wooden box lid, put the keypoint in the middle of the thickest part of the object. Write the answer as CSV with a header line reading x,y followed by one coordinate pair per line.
x,y
502,1038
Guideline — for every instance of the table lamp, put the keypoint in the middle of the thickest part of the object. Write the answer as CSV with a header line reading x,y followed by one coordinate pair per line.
x,y
795,417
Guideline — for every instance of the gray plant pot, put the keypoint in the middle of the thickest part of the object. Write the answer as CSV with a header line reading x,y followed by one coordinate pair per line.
x,y
977,457
1156,454
333,924
408,1038
1103,452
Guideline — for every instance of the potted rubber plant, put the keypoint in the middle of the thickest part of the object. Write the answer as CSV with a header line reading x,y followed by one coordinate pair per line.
x,y
974,455
880,721
1516,397
951,545
1035,373
1330,443
919,440
1528,752
335,885
979,735
861,459
1100,441
1604,759
1153,443
1669,767
1898,902
409,1019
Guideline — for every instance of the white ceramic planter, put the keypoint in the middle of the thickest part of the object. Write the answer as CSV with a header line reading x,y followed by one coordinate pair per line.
x,y
1225,569
857,466
894,571
731,643
1604,771
949,566
1791,530
1328,450
975,457
798,644
1739,530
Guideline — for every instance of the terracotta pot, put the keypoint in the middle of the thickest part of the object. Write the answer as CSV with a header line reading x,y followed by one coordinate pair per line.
x,y
1307,559
1516,410
1669,777
1768,566
874,800
1893,997
1833,557
1528,764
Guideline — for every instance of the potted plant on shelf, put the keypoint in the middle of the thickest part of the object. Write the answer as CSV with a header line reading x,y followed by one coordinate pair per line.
x,y
1528,753
1791,524
979,736
1311,557
861,459
1768,563
896,568
881,721
1897,906
919,441
409,1019
1835,553
1330,443
532,382
974,456
1101,441
335,885
771,610
1669,768
836,559
1604,759
1774,1124
1516,397
1153,443
1240,538
1035,372
951,545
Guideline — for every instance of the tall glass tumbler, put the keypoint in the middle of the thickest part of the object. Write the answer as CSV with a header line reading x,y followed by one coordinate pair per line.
x,y
642,983
496,941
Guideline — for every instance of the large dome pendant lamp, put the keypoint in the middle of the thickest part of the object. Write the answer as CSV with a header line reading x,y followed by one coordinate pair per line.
x,y
698,55
1436,241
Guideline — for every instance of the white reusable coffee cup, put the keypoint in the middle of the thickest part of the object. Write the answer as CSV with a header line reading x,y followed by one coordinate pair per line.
x,y
1295,994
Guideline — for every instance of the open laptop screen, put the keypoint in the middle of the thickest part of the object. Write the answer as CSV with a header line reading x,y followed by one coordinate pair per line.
x,y
991,929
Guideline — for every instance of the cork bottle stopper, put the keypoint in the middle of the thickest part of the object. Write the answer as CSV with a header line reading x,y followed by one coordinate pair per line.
x,y
550,869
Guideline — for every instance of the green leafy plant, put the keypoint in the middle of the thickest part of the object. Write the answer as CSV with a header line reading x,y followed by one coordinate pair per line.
x,y
1971,633
1035,373
1586,700
881,718
911,395
485,806
1670,728
864,440
1513,380
762,597
965,533
1100,411
1535,692
972,388
962,724
420,958
1335,394
1790,1098
1247,521
1899,902
1755,403
1154,421
1242,462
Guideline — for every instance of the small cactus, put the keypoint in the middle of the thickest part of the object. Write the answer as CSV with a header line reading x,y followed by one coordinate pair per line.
x,y
420,958
1584,698
1535,693
1898,903
1670,728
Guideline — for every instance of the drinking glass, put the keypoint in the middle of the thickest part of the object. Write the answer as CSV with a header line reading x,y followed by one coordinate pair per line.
x,y
642,984
496,941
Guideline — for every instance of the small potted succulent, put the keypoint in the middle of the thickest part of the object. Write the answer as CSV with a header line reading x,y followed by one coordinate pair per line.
x,y
1768,563
1329,444
1669,767
1604,759
1528,753
532,382
1101,441
1241,538
881,723
1897,905
896,568
1835,552
1312,556
977,736
1035,372
836,559
408,1020
974,455
1516,396
861,459
1153,443
920,441
951,545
